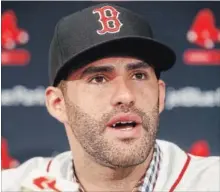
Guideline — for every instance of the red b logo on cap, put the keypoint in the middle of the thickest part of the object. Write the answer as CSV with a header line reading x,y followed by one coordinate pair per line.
x,y
110,24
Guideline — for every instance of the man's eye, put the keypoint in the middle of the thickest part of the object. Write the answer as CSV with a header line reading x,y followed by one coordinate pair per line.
x,y
98,79
139,76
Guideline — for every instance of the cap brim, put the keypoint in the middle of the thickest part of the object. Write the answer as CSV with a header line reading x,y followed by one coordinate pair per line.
x,y
160,56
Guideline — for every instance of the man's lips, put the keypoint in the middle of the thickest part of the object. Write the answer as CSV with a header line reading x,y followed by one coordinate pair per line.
x,y
124,118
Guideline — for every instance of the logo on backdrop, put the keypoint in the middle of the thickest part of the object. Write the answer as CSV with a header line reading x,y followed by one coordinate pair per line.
x,y
205,34
192,97
12,37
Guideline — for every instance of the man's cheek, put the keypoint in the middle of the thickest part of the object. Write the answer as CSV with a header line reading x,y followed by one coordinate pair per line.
x,y
147,99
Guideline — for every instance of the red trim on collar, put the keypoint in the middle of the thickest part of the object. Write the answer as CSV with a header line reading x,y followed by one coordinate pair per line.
x,y
181,173
49,165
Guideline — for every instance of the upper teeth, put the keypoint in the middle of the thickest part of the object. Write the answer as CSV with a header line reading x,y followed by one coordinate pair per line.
x,y
122,122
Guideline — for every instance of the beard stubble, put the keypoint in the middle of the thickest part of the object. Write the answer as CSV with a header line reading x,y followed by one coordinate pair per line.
x,y
90,133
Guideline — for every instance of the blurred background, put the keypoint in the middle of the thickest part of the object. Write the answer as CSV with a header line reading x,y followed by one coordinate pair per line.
x,y
192,115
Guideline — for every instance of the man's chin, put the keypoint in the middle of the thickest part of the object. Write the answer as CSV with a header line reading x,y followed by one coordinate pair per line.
x,y
126,153
125,162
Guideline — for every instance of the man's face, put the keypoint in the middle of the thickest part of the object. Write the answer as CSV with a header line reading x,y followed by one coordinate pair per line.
x,y
112,108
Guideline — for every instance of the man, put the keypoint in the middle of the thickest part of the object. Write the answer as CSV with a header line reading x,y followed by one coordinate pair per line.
x,y
106,89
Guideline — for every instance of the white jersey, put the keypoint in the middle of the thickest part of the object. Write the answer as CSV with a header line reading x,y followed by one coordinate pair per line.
x,y
179,171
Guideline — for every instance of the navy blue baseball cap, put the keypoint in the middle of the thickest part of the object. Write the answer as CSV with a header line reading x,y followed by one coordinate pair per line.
x,y
100,31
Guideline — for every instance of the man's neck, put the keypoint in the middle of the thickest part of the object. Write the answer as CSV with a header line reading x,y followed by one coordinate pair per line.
x,y
95,177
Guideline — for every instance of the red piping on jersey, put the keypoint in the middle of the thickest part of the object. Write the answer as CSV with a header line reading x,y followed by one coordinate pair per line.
x,y
48,165
181,173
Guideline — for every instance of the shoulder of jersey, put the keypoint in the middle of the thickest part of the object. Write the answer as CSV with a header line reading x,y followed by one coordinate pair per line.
x,y
201,174
11,178
206,172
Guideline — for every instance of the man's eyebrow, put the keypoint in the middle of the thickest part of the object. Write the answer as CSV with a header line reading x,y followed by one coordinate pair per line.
x,y
96,69
108,69
138,65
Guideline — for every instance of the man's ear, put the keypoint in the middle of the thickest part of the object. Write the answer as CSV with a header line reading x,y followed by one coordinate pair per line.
x,y
162,94
55,103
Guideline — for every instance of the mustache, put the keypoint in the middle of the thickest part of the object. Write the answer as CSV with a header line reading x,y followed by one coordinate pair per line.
x,y
122,109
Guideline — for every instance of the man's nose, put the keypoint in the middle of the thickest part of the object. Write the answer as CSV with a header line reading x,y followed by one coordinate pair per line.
x,y
122,94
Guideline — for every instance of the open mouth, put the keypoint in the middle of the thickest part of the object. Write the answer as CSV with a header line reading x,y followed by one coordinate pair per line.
x,y
124,125
124,122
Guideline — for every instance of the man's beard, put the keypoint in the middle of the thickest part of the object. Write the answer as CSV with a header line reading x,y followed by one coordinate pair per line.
x,y
90,133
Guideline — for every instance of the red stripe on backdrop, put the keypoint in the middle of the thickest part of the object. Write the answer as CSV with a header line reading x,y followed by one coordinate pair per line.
x,y
19,57
202,57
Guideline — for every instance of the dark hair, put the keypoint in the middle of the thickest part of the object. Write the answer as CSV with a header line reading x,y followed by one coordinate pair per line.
x,y
157,72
